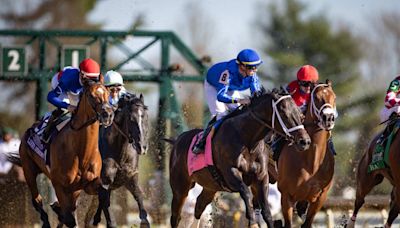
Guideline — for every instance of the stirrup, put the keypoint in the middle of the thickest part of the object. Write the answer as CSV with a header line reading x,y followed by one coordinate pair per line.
x,y
198,149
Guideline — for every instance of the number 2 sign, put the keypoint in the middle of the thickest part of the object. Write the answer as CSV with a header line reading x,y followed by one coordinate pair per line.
x,y
14,60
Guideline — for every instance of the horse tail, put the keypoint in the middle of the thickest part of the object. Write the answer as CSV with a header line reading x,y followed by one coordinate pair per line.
x,y
171,141
14,158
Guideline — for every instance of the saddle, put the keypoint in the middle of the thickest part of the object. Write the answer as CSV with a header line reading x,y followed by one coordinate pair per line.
x,y
35,138
380,155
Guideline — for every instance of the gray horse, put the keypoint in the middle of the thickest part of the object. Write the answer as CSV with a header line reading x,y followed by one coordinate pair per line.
x,y
120,147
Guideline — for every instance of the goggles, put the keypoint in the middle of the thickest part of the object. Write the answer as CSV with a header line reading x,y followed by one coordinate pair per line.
x,y
114,89
305,83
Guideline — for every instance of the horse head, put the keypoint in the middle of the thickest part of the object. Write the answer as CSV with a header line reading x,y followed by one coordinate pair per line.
x,y
322,107
93,105
278,112
132,118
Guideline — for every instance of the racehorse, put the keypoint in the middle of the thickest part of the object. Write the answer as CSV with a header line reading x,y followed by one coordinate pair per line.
x,y
305,177
75,158
366,181
120,147
239,155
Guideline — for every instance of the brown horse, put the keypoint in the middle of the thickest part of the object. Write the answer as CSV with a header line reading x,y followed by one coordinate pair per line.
x,y
75,158
367,181
239,156
305,177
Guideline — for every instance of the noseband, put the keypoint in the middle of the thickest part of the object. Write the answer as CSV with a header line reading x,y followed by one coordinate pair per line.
x,y
325,108
286,131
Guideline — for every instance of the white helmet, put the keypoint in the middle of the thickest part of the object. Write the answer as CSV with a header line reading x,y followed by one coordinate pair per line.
x,y
113,78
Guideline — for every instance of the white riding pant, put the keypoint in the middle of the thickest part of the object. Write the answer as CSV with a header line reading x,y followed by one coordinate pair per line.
x,y
386,112
218,108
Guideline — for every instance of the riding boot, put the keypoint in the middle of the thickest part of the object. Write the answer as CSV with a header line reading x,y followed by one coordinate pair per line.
x,y
384,135
199,147
277,146
50,124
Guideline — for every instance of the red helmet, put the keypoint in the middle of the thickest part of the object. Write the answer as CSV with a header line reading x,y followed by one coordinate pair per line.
x,y
89,68
307,73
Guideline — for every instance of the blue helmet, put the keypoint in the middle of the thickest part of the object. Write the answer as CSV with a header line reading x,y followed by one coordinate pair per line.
x,y
248,57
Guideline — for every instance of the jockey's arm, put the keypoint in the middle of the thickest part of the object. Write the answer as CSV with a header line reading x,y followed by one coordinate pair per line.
x,y
255,85
222,95
53,97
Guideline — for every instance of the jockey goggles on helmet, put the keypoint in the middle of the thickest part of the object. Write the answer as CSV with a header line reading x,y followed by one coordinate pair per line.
x,y
305,83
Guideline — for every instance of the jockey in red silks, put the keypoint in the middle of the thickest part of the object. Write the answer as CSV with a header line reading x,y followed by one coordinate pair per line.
x,y
225,87
66,87
300,90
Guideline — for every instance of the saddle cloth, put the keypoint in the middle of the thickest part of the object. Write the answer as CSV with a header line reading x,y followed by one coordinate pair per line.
x,y
35,141
199,161
380,155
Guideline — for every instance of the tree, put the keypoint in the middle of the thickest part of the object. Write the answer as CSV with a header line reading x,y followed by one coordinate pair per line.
x,y
294,40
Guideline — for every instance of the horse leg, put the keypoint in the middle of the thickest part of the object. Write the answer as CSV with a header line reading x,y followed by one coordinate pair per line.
x,y
133,187
179,193
31,171
67,201
287,209
235,181
205,197
262,199
301,208
365,183
104,204
314,208
394,209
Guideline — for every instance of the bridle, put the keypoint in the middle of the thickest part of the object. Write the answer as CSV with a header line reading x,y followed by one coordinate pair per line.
x,y
125,135
90,121
326,108
286,131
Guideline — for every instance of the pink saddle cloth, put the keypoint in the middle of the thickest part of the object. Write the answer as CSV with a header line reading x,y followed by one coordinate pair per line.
x,y
198,161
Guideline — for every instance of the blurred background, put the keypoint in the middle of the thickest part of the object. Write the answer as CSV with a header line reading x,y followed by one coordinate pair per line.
x,y
356,44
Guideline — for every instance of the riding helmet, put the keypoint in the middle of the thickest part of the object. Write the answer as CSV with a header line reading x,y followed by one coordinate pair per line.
x,y
307,73
248,57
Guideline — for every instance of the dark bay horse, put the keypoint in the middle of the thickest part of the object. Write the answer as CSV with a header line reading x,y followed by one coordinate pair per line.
x,y
366,181
120,147
75,158
305,177
239,155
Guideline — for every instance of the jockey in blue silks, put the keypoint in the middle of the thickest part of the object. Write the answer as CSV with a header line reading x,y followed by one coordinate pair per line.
x,y
67,85
225,84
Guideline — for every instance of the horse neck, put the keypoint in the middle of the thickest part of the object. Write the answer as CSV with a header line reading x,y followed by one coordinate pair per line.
x,y
83,115
315,155
251,131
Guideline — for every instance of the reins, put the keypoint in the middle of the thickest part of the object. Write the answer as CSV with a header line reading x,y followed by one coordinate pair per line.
x,y
276,114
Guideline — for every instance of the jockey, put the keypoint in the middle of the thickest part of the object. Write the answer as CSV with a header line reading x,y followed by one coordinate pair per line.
x,y
392,106
115,85
224,86
300,90
65,94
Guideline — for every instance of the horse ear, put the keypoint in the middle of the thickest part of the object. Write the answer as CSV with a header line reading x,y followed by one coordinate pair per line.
x,y
328,82
141,97
101,79
274,94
